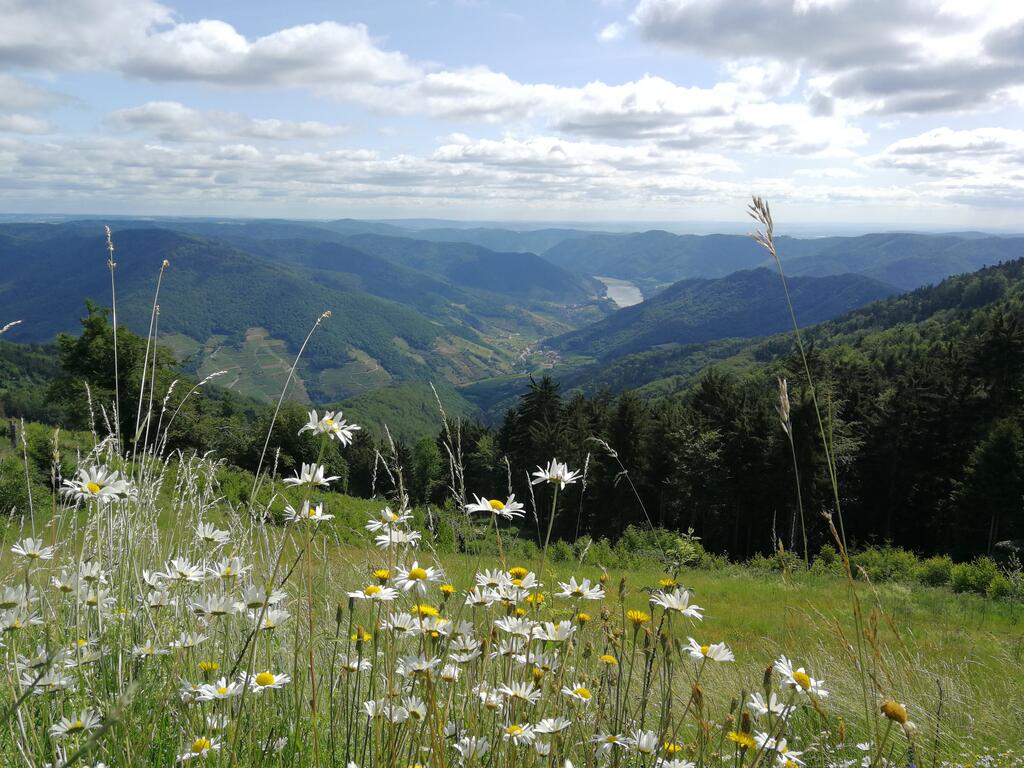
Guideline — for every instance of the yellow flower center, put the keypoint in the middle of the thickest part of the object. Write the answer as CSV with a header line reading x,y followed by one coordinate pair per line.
x,y
229,571
200,745
514,730
93,487
583,693
329,422
222,691
672,748
265,678
418,573
392,517
803,680
894,711
611,738
76,726
312,511
704,650
496,505
372,590
82,641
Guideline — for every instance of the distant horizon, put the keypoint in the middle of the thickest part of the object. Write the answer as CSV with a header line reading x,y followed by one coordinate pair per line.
x,y
796,229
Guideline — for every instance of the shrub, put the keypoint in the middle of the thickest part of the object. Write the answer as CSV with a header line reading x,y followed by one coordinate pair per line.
x,y
886,563
560,551
935,571
974,576
999,588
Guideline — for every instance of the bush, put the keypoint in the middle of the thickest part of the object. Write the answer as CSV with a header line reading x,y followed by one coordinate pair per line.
x,y
886,563
935,571
560,551
975,576
999,588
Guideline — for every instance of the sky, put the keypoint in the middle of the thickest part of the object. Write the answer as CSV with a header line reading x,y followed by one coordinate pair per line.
x,y
901,113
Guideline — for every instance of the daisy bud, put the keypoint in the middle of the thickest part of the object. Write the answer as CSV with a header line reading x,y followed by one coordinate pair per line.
x,y
766,683
339,611
698,696
622,589
745,722
842,730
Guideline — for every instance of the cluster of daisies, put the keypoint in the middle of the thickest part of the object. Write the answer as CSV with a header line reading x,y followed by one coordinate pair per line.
x,y
227,650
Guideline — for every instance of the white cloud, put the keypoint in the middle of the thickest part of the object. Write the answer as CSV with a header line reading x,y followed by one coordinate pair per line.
x,y
174,122
885,56
945,153
613,31
16,123
16,93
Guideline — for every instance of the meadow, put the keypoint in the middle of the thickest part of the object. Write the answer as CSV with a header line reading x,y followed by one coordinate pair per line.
x,y
159,608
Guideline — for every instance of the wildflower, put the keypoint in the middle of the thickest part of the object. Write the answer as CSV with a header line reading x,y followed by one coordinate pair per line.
x,y
92,573
257,597
579,692
272,619
583,589
416,665
481,597
219,690
214,605
519,627
508,509
518,734
85,721
96,483
742,740
608,741
784,756
188,640
798,679
416,707
382,575
521,692
311,475
667,583
636,618
417,577
180,569
518,572
387,710
386,519
264,680
148,650
646,742
447,589
894,711
556,473
678,601
228,568
472,747
19,618
207,667
308,513
49,682
331,424
715,651
33,549
208,533
491,579
607,658
552,725
450,673
355,664
554,632
201,747
759,707
375,593
397,538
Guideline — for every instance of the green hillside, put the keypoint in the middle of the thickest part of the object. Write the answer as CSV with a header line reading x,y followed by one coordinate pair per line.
x,y
749,303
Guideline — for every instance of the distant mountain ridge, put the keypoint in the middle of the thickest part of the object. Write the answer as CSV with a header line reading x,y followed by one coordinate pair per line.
x,y
748,303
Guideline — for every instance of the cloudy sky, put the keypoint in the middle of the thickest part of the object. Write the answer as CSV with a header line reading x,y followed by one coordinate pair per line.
x,y
897,112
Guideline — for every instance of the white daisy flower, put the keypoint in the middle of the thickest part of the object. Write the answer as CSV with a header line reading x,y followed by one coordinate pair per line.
x,y
417,577
677,601
33,549
311,475
518,734
552,725
508,509
798,679
606,742
85,721
265,680
201,747
331,424
759,707
96,483
556,473
386,519
521,692
208,533
581,590
376,593
472,748
579,692
396,537
222,689
308,513
715,651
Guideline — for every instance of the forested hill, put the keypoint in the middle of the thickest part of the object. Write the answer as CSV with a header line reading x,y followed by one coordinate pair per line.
x,y
744,304
247,304
921,397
